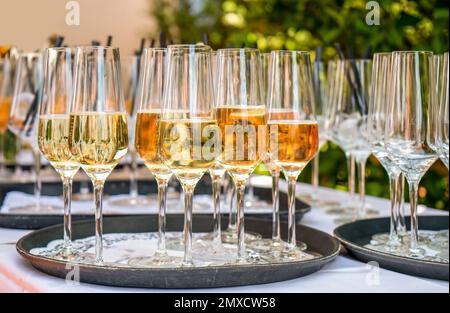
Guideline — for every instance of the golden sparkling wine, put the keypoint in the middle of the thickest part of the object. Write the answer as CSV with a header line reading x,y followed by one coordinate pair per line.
x,y
277,114
98,141
146,142
293,144
53,140
243,139
187,147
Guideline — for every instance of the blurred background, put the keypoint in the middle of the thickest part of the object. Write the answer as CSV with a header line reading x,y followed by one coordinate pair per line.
x,y
266,24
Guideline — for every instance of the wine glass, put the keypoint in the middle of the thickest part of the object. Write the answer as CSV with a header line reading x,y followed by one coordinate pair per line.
x,y
349,121
274,171
240,114
335,93
98,134
23,119
376,120
6,92
149,98
130,73
440,108
407,134
187,126
293,129
53,129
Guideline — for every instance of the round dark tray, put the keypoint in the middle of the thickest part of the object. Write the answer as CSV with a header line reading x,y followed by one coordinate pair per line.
x,y
355,235
195,277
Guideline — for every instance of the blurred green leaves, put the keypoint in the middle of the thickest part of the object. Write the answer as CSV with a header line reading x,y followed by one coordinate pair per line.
x,y
305,25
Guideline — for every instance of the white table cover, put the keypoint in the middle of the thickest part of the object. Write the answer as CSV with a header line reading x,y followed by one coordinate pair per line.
x,y
342,275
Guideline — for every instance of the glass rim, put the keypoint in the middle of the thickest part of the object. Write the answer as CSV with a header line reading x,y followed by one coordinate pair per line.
x,y
203,47
59,49
285,51
95,48
235,50
412,52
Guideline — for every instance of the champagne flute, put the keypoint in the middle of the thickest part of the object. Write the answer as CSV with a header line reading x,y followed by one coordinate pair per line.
x,y
376,120
187,125
53,129
440,108
149,98
293,129
240,113
335,93
6,91
23,119
407,135
98,134
130,73
349,120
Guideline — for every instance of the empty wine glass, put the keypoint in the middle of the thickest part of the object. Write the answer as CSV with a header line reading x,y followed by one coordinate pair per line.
x,y
407,137
378,108
349,120
335,94
98,135
23,119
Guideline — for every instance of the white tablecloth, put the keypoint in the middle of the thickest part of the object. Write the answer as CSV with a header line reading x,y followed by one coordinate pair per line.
x,y
342,275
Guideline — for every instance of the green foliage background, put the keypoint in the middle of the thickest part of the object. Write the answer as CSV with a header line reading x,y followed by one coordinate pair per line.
x,y
305,25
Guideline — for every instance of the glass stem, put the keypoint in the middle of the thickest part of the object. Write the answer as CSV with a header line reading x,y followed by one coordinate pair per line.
x,y
187,231
351,174
393,186
98,197
216,214
401,227
240,204
37,175
413,197
362,188
230,196
292,241
133,181
315,176
67,196
162,200
276,206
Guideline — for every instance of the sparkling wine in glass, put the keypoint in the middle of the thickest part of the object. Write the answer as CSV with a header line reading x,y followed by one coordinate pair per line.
x,y
293,129
187,126
98,133
53,129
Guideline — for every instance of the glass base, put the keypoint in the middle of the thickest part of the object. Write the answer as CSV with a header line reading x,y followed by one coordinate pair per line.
x,y
231,236
268,245
36,209
132,201
159,259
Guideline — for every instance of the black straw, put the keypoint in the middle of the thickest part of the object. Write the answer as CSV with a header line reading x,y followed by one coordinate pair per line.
x,y
152,43
109,41
162,40
205,38
367,52
95,43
